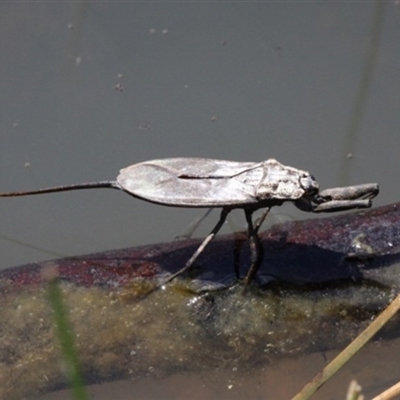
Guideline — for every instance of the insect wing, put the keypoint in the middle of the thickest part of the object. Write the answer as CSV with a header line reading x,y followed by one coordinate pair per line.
x,y
189,182
203,167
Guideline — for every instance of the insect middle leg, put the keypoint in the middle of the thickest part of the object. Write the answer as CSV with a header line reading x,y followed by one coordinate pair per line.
x,y
260,220
239,241
206,241
256,249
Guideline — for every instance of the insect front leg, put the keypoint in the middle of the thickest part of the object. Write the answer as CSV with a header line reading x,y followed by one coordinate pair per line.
x,y
340,205
356,192
340,199
345,198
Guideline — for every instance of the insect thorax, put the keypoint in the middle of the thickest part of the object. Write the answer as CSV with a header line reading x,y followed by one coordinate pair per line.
x,y
283,182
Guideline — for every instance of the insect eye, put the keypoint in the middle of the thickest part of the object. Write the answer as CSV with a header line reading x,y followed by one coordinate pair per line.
x,y
309,184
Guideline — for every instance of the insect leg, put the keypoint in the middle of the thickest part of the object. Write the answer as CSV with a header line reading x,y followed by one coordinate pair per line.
x,y
188,233
260,220
345,198
356,192
255,248
341,205
239,241
206,241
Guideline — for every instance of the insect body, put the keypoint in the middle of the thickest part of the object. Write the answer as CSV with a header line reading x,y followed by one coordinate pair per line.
x,y
202,182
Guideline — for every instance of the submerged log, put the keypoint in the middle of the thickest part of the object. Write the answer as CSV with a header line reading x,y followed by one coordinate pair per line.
x,y
356,246
325,279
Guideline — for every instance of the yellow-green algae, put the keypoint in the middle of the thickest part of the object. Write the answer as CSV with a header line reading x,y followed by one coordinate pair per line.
x,y
119,334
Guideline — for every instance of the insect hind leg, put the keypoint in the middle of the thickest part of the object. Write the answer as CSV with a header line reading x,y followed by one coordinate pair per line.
x,y
200,249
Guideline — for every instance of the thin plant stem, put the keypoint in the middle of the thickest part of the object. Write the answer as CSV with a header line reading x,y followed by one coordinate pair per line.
x,y
390,393
349,351
64,334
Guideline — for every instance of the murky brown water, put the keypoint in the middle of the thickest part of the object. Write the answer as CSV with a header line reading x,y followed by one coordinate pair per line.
x,y
226,343
375,368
